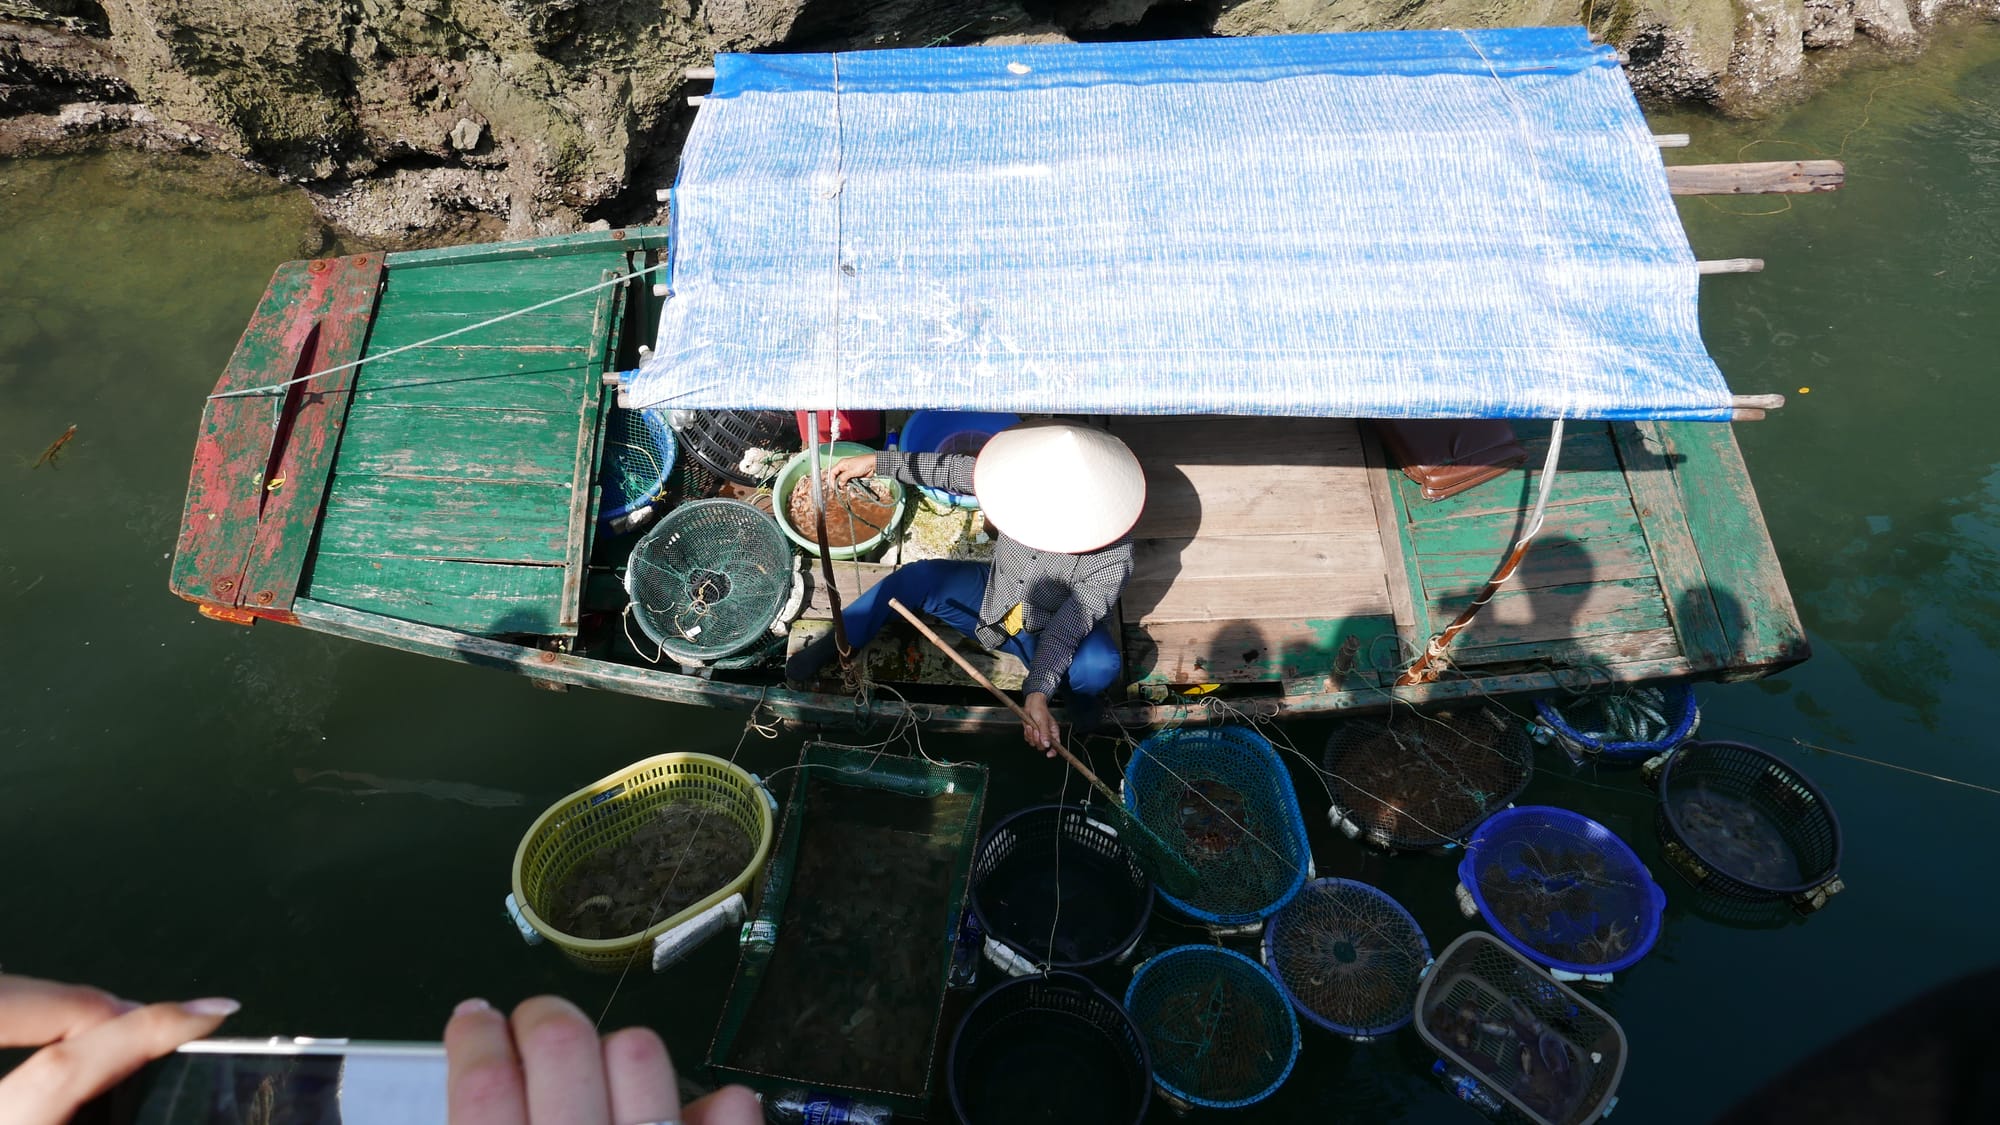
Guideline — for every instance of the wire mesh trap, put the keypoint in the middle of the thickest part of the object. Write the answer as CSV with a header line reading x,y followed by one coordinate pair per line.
x,y
1562,889
1541,1046
1221,800
639,455
729,441
709,579
1348,957
841,984
1626,724
1054,1050
1742,824
1053,886
1219,1029
1414,780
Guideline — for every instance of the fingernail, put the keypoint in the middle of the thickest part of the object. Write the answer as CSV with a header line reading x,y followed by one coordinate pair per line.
x,y
467,1007
211,1006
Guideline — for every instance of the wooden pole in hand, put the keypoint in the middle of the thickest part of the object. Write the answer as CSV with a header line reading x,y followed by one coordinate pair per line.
x,y
840,644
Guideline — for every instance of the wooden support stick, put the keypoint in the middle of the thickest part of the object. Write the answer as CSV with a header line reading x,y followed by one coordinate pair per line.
x,y
1756,179
1757,402
1730,265
695,99
1746,414
696,73
1664,140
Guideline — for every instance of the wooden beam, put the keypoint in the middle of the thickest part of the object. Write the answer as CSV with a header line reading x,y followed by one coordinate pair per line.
x,y
1756,178
699,73
1729,265
1671,140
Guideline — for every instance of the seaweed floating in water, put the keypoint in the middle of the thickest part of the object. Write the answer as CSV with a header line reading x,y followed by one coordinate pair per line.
x,y
683,853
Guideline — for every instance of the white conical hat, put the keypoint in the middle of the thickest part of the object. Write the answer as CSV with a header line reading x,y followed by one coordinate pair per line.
x,y
1057,486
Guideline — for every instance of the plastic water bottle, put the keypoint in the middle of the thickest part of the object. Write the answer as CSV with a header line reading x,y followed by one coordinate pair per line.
x,y
1468,1088
803,1107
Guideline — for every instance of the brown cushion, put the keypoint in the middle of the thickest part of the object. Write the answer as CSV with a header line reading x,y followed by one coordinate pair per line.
x,y
1449,455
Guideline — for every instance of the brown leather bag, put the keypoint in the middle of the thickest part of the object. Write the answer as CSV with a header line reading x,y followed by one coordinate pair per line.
x,y
1449,455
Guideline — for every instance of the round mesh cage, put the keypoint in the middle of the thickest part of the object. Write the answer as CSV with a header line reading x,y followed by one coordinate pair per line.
x,y
1561,888
1054,884
1221,798
1348,956
726,441
639,453
1056,1033
1220,1030
1415,780
709,579
1755,828
1551,1054
1626,724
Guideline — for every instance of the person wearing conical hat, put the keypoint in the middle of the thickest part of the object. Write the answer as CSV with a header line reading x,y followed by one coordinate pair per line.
x,y
1061,500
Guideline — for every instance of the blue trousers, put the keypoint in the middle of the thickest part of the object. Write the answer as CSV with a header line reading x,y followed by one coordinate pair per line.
x,y
951,590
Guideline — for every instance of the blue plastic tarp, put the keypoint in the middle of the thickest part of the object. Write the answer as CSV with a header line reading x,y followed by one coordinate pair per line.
x,y
1385,224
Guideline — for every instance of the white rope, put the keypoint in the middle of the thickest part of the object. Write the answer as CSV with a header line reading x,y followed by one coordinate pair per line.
x,y
274,387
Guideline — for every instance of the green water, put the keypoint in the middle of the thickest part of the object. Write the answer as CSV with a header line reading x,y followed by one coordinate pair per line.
x,y
176,822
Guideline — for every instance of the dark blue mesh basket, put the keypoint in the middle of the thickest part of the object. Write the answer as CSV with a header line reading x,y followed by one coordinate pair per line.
x,y
639,452
1563,889
1219,1028
1348,956
1054,1050
1742,823
1054,885
1628,724
1221,798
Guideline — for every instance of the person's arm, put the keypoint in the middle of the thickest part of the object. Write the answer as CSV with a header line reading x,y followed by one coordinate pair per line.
x,y
89,1040
951,472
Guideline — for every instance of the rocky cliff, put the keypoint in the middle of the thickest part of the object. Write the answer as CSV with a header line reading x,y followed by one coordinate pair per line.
x,y
409,116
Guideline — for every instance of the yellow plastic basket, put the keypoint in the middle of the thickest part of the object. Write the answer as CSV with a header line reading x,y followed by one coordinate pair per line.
x,y
610,811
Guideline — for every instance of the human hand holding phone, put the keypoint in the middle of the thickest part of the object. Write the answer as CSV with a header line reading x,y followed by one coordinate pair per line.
x,y
89,1040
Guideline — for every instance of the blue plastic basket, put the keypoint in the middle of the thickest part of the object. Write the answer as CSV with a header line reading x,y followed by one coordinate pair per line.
x,y
1222,798
1348,957
928,430
639,452
1218,1026
1592,724
1563,890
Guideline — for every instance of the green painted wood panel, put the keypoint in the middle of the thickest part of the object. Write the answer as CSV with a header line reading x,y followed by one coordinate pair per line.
x,y
1662,513
554,246
1582,609
478,598
479,521
489,379
442,441
1598,539
1588,469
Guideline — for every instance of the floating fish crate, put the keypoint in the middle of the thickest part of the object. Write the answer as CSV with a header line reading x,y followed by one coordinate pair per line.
x,y
1538,1045
1221,1033
1052,887
841,984
1624,725
1417,781
608,814
1742,824
1348,957
1055,1050
1221,797
1563,890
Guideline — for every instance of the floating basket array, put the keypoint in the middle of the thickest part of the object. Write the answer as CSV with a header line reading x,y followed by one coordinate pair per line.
x,y
709,579
1563,890
1053,887
607,814
1053,1049
1628,724
1219,1029
1540,1046
1742,824
1416,781
639,454
1221,798
739,445
1348,956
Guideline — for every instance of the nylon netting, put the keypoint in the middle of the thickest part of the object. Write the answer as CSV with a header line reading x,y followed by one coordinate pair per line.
x,y
1416,780
1220,1030
709,579
1349,956
1563,889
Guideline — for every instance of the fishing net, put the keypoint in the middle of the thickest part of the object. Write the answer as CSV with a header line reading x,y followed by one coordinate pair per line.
x,y
1055,1050
1627,724
1219,1028
1221,800
746,446
1743,824
1551,1054
1348,956
1415,780
1054,885
709,579
639,453
1561,888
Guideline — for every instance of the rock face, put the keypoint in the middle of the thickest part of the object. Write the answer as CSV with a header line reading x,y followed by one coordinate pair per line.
x,y
404,115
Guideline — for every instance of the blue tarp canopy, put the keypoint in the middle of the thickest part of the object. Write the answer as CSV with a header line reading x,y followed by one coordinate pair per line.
x,y
1385,224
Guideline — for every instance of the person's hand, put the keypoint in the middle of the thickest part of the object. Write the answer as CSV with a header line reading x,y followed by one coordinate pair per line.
x,y
88,1039
850,468
1040,729
546,1066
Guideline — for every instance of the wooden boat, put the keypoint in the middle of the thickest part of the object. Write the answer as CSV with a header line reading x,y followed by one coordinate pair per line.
x,y
443,500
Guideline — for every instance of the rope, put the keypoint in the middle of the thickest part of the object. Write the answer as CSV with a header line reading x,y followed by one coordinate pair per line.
x,y
275,387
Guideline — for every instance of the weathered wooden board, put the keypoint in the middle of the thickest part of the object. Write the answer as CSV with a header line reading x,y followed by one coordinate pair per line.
x,y
1279,649
476,521
1661,511
1756,178
1575,652
851,580
1214,476
1582,609
1257,598
624,240
1398,550
1303,552
1599,539
478,598
489,380
1587,469
524,446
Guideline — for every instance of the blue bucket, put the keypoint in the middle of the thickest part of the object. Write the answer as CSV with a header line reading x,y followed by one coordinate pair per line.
x,y
930,431
1563,890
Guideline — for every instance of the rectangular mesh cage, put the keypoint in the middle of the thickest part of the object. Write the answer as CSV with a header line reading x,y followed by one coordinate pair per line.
x,y
841,983
1554,1057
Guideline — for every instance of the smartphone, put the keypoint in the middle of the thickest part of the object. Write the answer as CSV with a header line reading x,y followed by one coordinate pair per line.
x,y
281,1082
